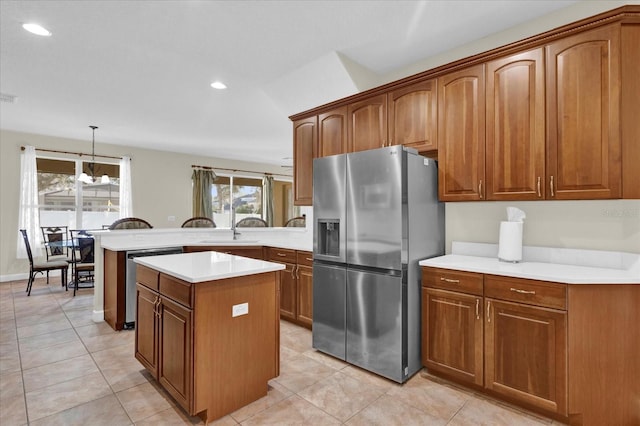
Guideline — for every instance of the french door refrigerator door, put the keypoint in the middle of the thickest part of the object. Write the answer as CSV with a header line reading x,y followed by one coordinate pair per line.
x,y
376,208
376,315
329,303
329,198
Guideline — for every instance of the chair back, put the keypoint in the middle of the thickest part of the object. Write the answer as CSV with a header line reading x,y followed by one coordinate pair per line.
x,y
27,246
199,222
84,246
297,222
252,222
130,223
52,235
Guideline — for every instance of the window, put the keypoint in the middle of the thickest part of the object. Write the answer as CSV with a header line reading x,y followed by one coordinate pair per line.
x,y
63,200
245,194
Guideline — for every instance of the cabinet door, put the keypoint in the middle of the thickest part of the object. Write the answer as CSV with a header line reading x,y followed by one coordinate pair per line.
x,y
288,292
175,371
515,144
461,137
452,334
305,294
305,141
146,345
368,124
525,354
332,132
583,94
413,116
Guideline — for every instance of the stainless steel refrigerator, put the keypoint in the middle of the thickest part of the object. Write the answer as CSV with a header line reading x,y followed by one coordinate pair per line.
x,y
376,214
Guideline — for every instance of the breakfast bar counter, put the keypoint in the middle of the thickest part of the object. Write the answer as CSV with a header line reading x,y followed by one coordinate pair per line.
x,y
207,328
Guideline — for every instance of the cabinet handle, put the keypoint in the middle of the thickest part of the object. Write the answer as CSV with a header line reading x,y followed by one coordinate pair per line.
x,y
477,309
539,192
517,290
298,272
488,310
480,189
449,280
293,272
281,254
551,184
156,309
309,259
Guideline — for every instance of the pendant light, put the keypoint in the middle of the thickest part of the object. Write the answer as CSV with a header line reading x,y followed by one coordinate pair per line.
x,y
85,178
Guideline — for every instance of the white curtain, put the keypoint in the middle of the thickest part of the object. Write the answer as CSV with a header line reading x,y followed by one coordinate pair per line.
x,y
126,203
29,218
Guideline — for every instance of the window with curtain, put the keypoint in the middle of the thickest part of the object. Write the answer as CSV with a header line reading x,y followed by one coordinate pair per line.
x,y
63,200
246,195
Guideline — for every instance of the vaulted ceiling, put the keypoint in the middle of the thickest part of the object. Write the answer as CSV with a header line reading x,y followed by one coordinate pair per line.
x,y
141,70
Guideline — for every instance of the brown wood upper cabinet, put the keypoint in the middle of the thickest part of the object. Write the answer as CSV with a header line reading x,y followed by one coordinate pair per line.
x,y
368,124
404,116
305,148
461,134
332,132
583,109
515,127
413,116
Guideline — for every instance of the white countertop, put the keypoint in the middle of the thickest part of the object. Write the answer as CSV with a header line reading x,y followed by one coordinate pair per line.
x,y
126,240
207,265
607,267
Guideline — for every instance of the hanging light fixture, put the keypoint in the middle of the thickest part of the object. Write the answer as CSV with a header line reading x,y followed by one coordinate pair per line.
x,y
85,178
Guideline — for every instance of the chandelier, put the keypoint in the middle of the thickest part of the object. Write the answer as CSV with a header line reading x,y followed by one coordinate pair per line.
x,y
85,178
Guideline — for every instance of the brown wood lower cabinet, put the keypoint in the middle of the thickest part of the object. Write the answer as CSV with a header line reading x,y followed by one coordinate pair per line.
x,y
296,285
568,351
188,339
514,346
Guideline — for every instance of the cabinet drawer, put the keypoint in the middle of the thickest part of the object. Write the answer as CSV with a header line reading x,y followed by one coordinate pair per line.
x,y
282,255
465,282
539,293
177,290
304,258
147,277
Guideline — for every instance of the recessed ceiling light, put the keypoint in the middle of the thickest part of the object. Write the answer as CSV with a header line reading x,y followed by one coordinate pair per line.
x,y
218,85
36,29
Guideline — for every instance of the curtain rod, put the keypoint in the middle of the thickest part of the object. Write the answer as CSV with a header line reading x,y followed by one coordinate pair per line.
x,y
236,170
73,153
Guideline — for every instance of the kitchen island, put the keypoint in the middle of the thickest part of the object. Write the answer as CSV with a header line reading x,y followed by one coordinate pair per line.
x,y
207,328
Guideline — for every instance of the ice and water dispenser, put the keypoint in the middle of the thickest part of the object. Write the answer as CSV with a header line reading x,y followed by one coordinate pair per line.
x,y
329,237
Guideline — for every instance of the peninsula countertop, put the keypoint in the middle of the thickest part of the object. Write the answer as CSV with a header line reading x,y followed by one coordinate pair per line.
x,y
569,266
207,266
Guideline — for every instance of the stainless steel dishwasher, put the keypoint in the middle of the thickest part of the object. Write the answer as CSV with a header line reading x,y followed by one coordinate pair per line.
x,y
130,294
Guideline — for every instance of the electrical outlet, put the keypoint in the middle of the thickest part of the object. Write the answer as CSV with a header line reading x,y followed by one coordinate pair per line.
x,y
241,309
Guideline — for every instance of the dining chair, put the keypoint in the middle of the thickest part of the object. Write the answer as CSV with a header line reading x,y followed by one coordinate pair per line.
x,y
83,266
296,222
130,223
199,222
54,238
42,267
251,222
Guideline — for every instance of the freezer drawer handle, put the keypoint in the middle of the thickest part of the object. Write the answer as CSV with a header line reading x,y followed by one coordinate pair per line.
x,y
517,290
449,280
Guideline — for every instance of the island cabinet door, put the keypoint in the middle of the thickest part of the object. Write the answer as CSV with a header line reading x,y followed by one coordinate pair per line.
x,y
146,345
305,294
525,354
452,334
175,342
288,284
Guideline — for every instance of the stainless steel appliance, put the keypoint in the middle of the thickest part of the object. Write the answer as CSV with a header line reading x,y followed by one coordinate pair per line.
x,y
376,215
130,281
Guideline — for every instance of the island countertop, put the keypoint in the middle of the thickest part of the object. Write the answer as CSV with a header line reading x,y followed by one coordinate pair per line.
x,y
207,265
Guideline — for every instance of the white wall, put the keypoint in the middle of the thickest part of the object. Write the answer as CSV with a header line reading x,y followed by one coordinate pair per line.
x,y
596,225
161,184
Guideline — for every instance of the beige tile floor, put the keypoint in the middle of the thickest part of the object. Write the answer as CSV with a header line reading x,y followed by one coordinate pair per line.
x,y
58,367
